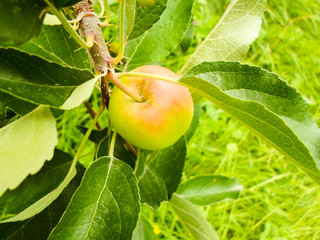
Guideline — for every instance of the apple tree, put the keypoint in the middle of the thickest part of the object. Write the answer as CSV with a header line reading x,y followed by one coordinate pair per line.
x,y
55,53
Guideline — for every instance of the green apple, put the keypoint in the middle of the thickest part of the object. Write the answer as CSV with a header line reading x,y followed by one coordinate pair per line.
x,y
161,119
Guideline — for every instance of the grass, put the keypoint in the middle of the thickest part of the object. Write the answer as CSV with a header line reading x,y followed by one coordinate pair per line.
x,y
279,201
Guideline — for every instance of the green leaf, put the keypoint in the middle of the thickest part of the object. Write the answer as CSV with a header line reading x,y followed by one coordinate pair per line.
x,y
51,20
80,94
163,37
129,7
195,121
105,206
54,44
187,39
146,17
120,151
20,20
40,225
35,189
144,231
25,145
18,106
168,163
264,103
206,190
32,79
192,219
96,136
152,187
9,118
231,37
147,3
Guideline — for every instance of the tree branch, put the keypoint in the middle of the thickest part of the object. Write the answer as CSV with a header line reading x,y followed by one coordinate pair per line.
x,y
92,113
100,56
89,27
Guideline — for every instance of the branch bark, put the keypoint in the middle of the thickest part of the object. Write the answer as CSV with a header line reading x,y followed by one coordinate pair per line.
x,y
98,53
90,28
101,60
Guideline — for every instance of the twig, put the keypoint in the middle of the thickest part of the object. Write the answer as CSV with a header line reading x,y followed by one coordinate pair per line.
x,y
99,54
86,136
100,57
89,25
92,113
130,147
105,91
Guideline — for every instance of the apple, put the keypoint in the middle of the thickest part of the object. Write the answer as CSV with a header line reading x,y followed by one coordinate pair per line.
x,y
160,119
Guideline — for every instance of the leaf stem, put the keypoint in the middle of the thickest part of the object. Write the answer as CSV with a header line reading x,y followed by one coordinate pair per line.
x,y
102,4
67,10
113,142
105,10
92,113
86,136
121,34
84,140
152,76
68,26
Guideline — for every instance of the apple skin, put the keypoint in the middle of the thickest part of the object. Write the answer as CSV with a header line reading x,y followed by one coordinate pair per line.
x,y
161,119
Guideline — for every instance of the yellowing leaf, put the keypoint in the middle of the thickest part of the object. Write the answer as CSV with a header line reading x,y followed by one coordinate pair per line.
x,y
80,94
51,20
230,39
25,145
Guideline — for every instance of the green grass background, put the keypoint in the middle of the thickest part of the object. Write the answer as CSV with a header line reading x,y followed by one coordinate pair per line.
x,y
279,201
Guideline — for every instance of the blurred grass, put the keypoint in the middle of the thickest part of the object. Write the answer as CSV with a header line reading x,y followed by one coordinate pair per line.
x,y
70,136
279,201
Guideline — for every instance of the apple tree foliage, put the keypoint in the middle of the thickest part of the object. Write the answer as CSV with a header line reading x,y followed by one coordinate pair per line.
x,y
46,194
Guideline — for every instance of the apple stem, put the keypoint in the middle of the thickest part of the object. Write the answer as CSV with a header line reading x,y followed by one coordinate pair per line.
x,y
115,80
